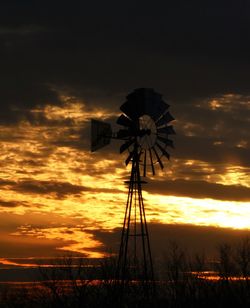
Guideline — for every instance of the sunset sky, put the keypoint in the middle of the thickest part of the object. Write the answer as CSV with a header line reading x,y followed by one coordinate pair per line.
x,y
63,63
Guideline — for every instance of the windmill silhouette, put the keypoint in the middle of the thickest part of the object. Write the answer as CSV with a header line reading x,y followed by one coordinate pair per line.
x,y
145,130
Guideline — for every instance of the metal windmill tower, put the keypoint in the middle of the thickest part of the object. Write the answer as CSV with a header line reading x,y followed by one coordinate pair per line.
x,y
145,130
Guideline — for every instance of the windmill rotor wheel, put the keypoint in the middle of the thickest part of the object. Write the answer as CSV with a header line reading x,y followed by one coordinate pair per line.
x,y
145,122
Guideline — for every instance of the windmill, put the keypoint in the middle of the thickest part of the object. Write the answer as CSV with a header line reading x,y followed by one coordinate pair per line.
x,y
145,130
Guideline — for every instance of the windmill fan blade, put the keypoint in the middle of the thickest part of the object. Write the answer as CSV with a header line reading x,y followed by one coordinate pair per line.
x,y
144,101
164,152
168,130
128,109
154,105
158,158
166,141
133,107
129,158
125,121
126,145
164,120
158,109
152,164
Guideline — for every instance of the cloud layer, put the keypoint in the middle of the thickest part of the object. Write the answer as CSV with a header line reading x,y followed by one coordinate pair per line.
x,y
63,64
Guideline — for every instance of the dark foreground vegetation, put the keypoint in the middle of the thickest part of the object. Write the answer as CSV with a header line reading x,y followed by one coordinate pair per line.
x,y
182,281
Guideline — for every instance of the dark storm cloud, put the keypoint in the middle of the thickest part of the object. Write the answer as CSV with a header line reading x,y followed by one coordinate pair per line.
x,y
190,51
10,204
200,189
6,182
194,239
101,50
214,134
60,189
204,149
228,120
48,187
25,247
19,94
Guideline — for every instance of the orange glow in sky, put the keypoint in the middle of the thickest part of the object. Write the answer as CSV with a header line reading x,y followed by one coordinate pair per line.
x,y
55,192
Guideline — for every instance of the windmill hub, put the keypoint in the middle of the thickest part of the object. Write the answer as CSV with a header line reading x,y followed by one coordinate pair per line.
x,y
148,132
143,132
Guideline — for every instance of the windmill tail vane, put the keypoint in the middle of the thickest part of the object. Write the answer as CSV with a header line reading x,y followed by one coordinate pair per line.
x,y
145,131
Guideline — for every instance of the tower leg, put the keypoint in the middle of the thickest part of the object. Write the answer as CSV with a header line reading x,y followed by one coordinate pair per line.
x,y
135,259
